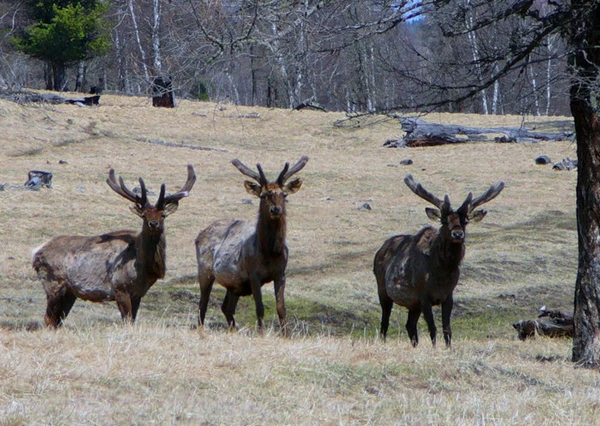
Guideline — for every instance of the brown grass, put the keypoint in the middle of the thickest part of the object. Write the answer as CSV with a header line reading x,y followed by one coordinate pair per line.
x,y
333,370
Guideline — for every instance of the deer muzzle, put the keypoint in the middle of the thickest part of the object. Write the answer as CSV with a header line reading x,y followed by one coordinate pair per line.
x,y
275,211
458,235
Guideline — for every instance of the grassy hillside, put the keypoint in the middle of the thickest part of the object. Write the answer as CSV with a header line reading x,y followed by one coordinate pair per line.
x,y
334,370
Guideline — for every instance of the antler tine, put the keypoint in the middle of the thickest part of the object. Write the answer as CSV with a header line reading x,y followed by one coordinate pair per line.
x,y
263,179
160,203
121,190
285,175
191,179
419,190
185,189
466,205
245,170
281,177
143,200
488,195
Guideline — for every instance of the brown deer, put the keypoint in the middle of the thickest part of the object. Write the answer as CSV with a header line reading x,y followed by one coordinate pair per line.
x,y
242,256
119,266
420,271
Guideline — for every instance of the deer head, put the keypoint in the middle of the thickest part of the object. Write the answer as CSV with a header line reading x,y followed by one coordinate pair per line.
x,y
272,194
153,215
454,221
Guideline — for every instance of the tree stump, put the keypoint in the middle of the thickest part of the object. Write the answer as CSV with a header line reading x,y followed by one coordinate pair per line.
x,y
38,178
162,92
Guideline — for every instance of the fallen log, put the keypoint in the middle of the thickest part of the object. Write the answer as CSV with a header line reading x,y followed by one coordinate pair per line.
x,y
25,96
420,133
310,104
550,323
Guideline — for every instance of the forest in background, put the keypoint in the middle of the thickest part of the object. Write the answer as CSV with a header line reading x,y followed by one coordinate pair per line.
x,y
359,56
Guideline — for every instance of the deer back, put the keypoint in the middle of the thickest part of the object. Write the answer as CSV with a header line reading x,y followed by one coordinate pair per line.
x,y
401,265
89,265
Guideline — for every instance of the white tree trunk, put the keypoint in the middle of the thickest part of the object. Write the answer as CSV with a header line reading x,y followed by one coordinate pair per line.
x,y
496,95
280,61
139,41
156,37
80,78
536,98
551,51
368,76
475,54
119,54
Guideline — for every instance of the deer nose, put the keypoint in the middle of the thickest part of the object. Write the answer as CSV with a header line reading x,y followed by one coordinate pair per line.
x,y
458,235
275,210
153,224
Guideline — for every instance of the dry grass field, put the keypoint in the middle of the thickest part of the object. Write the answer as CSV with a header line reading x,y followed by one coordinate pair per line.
x,y
334,369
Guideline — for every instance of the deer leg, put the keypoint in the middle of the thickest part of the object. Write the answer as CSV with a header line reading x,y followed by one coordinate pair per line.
x,y
446,311
206,283
58,307
280,300
124,304
135,305
411,325
257,295
386,309
228,308
428,314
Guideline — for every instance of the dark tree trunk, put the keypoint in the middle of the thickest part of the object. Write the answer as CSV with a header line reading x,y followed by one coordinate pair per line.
x,y
58,74
48,76
585,38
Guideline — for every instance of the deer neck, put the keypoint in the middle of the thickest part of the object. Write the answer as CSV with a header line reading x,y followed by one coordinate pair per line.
x,y
151,253
270,234
446,253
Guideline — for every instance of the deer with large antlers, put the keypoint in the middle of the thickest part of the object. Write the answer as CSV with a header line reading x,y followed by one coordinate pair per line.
x,y
119,266
242,256
421,270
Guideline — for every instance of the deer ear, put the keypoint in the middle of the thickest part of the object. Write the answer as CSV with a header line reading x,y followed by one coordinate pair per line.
x,y
170,208
433,214
137,210
293,186
252,188
477,215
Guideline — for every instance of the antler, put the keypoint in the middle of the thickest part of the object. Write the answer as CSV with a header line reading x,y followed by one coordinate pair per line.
x,y
142,200
249,172
418,189
260,177
286,174
488,195
126,193
183,192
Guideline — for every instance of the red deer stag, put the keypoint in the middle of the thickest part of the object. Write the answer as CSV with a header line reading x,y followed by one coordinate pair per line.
x,y
242,256
119,266
420,271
